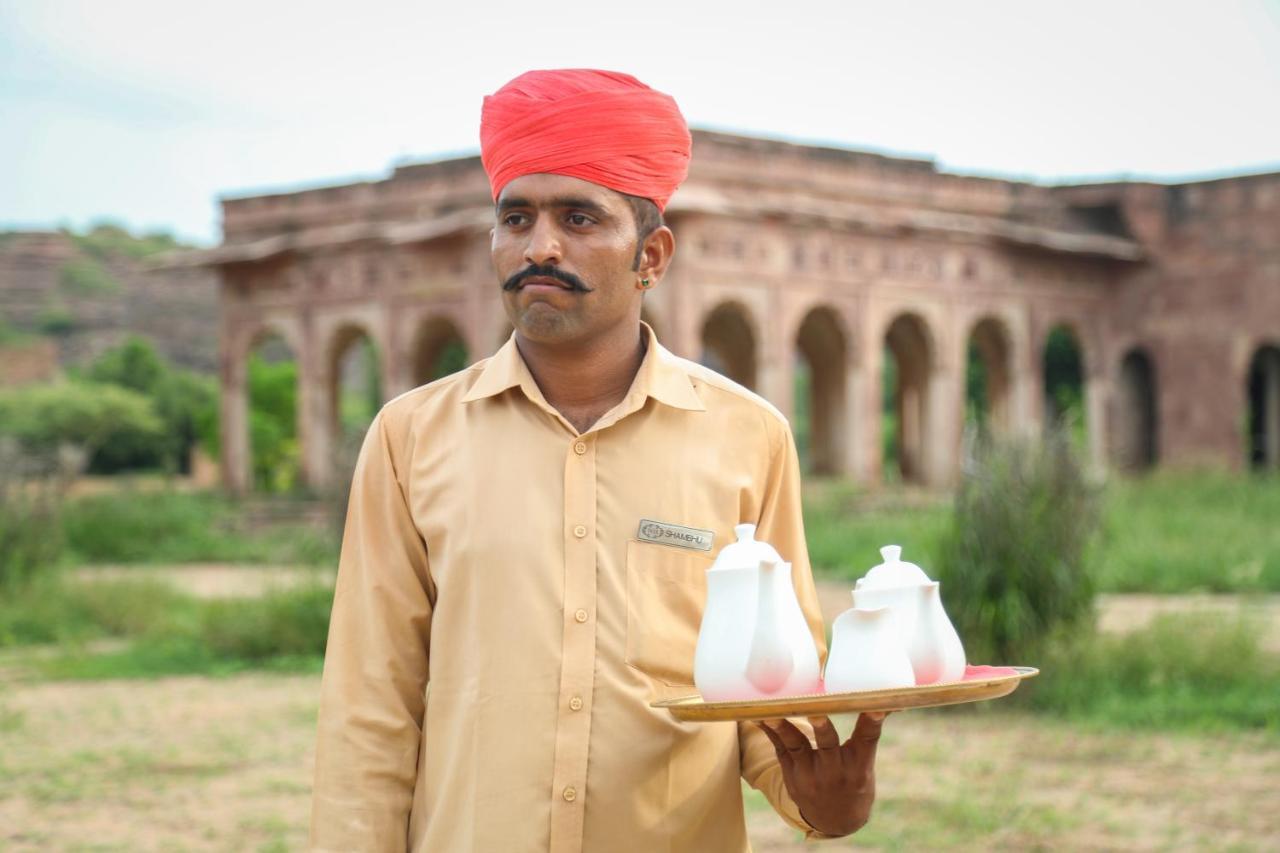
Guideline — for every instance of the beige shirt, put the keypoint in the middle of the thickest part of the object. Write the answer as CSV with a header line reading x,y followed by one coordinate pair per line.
x,y
499,627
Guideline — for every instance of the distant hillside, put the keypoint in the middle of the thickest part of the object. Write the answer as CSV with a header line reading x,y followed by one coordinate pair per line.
x,y
88,291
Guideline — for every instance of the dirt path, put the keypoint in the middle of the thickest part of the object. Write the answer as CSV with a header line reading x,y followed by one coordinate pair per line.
x,y
1125,613
225,764
1116,613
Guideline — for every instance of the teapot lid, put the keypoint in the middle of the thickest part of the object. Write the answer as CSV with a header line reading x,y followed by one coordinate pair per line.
x,y
893,572
747,553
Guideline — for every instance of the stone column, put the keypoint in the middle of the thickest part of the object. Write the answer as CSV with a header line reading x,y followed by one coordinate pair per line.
x,y
1271,410
943,423
315,409
1097,396
867,421
234,419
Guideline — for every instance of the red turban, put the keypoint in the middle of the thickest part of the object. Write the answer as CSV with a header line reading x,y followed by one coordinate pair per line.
x,y
601,126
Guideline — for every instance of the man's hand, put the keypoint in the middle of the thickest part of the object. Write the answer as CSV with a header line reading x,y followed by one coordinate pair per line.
x,y
833,785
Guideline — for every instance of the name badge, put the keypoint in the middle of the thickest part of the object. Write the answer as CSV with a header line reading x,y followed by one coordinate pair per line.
x,y
673,534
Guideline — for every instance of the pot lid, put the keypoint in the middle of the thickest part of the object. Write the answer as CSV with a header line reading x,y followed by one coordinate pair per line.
x,y
893,572
747,553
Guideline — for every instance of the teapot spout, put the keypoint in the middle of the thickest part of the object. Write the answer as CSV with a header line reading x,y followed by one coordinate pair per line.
x,y
771,660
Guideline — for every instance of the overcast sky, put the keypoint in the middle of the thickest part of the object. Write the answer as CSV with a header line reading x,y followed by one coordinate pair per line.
x,y
146,112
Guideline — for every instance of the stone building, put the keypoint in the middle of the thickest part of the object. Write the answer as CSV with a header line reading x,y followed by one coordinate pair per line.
x,y
801,258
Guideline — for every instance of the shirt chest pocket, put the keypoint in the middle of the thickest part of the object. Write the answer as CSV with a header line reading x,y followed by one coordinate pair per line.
x,y
666,593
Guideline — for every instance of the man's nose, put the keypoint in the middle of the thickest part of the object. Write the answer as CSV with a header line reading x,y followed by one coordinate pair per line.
x,y
544,244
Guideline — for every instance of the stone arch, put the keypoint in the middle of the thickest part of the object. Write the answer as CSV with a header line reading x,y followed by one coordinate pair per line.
x,y
1136,429
729,343
1063,366
820,402
354,381
270,366
1262,389
438,350
910,353
989,375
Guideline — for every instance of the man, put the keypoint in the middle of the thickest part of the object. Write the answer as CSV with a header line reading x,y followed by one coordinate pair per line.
x,y
510,599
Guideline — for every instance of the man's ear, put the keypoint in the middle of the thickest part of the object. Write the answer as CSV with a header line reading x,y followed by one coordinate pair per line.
x,y
656,253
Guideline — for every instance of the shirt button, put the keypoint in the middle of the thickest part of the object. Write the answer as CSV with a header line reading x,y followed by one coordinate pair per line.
x,y
570,794
576,703
580,615
580,531
580,448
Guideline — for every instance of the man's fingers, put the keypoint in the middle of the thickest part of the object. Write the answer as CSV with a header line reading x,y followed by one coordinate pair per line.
x,y
794,739
825,733
861,745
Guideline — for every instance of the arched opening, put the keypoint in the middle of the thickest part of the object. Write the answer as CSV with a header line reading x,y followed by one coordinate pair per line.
x,y
438,351
1264,409
908,358
729,345
819,401
355,385
1063,366
1136,422
988,378
275,454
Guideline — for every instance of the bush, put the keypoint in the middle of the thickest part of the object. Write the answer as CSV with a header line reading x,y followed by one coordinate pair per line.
x,y
185,402
291,622
116,427
31,539
1014,563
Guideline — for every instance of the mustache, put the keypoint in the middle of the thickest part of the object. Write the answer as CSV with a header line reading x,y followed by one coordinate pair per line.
x,y
574,283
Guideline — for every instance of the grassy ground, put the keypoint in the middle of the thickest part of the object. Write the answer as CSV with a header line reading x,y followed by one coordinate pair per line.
x,y
225,764
1171,532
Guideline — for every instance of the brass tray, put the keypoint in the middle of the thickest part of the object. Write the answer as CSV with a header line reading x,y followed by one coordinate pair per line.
x,y
970,689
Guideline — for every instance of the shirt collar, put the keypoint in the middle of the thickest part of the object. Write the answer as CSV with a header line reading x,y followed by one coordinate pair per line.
x,y
660,376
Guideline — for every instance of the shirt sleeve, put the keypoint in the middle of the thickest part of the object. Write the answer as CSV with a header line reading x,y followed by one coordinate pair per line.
x,y
781,524
376,664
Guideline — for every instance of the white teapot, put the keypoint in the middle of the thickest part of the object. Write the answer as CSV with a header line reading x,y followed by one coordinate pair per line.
x,y
915,604
754,642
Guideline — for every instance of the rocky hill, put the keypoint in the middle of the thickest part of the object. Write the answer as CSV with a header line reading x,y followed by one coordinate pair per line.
x,y
86,292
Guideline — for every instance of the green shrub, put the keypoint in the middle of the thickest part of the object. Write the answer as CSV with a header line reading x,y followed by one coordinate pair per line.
x,y
117,428
288,622
31,539
185,402
109,239
1014,563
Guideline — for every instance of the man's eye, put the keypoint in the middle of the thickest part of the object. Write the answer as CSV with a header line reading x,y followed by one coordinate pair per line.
x,y
514,219
579,219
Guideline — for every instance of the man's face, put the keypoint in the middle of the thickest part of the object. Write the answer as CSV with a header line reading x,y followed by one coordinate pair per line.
x,y
564,249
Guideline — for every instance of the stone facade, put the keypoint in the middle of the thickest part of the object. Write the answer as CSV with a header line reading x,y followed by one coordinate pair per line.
x,y
792,254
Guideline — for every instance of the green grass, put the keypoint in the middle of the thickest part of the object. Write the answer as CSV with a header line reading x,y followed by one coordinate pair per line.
x,y
174,527
1191,531
1170,532
845,529
164,631
1194,672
